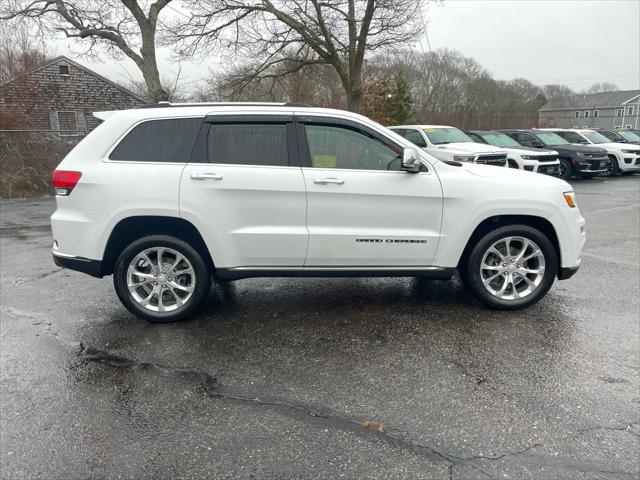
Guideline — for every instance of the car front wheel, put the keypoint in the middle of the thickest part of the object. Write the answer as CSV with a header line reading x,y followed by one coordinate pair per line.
x,y
612,167
511,267
161,278
565,169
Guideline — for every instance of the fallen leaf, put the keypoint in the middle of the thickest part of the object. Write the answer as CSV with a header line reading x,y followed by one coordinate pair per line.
x,y
373,425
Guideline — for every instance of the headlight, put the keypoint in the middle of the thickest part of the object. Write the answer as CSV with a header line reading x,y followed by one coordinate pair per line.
x,y
579,154
528,157
637,152
570,198
464,158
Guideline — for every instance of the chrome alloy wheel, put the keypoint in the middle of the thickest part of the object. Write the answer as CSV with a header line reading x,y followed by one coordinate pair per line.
x,y
512,268
161,279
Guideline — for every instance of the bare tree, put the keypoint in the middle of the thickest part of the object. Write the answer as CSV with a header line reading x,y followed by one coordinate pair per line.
x,y
299,33
19,52
120,26
601,87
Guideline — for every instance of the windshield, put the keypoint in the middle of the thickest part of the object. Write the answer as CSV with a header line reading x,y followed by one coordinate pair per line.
x,y
612,136
630,136
500,140
595,137
549,138
440,136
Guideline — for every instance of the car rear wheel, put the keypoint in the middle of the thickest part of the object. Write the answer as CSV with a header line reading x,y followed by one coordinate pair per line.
x,y
612,167
511,267
161,278
565,169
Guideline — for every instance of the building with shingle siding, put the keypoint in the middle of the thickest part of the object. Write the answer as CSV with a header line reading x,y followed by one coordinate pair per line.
x,y
604,110
61,95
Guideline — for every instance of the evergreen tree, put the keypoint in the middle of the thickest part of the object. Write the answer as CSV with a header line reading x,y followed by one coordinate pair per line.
x,y
399,104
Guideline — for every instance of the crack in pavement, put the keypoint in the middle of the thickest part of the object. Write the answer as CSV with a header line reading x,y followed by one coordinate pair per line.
x,y
295,410
627,428
325,416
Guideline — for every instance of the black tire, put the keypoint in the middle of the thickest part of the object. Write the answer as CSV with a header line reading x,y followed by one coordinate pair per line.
x,y
202,278
565,169
471,274
612,167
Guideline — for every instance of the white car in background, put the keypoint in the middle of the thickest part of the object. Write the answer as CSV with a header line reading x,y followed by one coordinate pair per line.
x,y
623,157
524,158
451,144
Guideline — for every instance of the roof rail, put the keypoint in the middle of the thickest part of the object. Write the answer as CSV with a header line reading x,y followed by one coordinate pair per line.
x,y
221,104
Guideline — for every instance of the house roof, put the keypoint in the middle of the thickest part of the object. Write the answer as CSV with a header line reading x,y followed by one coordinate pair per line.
x,y
62,58
592,100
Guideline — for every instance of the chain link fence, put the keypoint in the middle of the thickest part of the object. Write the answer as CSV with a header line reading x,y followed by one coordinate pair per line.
x,y
27,158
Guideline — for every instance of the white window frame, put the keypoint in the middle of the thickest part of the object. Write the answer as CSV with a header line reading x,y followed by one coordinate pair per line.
x,y
577,114
630,110
587,113
619,112
629,126
596,113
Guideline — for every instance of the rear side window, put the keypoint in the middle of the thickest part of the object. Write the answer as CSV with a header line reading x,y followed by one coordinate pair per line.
x,y
248,144
159,141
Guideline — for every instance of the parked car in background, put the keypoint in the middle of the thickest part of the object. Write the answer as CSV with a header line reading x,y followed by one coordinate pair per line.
x,y
523,158
450,143
237,191
631,136
574,159
611,135
623,158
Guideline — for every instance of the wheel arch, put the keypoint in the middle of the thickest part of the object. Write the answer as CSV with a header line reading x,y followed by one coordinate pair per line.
x,y
131,228
497,221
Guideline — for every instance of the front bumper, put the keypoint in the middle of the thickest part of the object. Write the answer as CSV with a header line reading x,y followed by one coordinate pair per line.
x,y
549,168
630,163
592,166
567,273
79,264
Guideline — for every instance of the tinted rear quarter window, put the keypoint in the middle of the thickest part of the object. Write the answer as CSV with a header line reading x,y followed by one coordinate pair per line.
x,y
168,140
248,144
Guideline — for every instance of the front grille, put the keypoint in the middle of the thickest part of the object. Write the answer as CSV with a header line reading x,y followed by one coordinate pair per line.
x,y
500,160
546,158
595,156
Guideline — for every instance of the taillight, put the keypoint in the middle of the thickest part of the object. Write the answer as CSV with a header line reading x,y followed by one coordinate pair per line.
x,y
64,181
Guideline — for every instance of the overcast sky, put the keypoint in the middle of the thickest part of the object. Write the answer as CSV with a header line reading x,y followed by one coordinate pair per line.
x,y
575,42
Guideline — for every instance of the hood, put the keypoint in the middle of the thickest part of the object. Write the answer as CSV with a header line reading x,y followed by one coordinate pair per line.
x,y
617,146
514,175
469,148
529,150
577,148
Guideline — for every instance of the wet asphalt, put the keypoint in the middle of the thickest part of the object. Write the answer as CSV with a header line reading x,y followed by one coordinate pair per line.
x,y
324,378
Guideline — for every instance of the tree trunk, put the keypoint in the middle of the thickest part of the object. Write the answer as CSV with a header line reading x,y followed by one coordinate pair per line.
x,y
155,90
354,99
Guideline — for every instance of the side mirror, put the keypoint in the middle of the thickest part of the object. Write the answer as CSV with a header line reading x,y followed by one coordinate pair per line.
x,y
411,160
538,145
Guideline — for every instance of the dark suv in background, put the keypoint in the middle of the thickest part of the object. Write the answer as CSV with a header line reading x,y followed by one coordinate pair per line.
x,y
580,160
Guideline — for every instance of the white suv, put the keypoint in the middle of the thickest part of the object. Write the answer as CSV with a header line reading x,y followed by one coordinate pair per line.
x,y
450,143
167,199
525,158
623,157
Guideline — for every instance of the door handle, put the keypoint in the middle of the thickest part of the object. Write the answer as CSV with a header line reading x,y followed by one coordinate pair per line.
x,y
205,176
324,181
